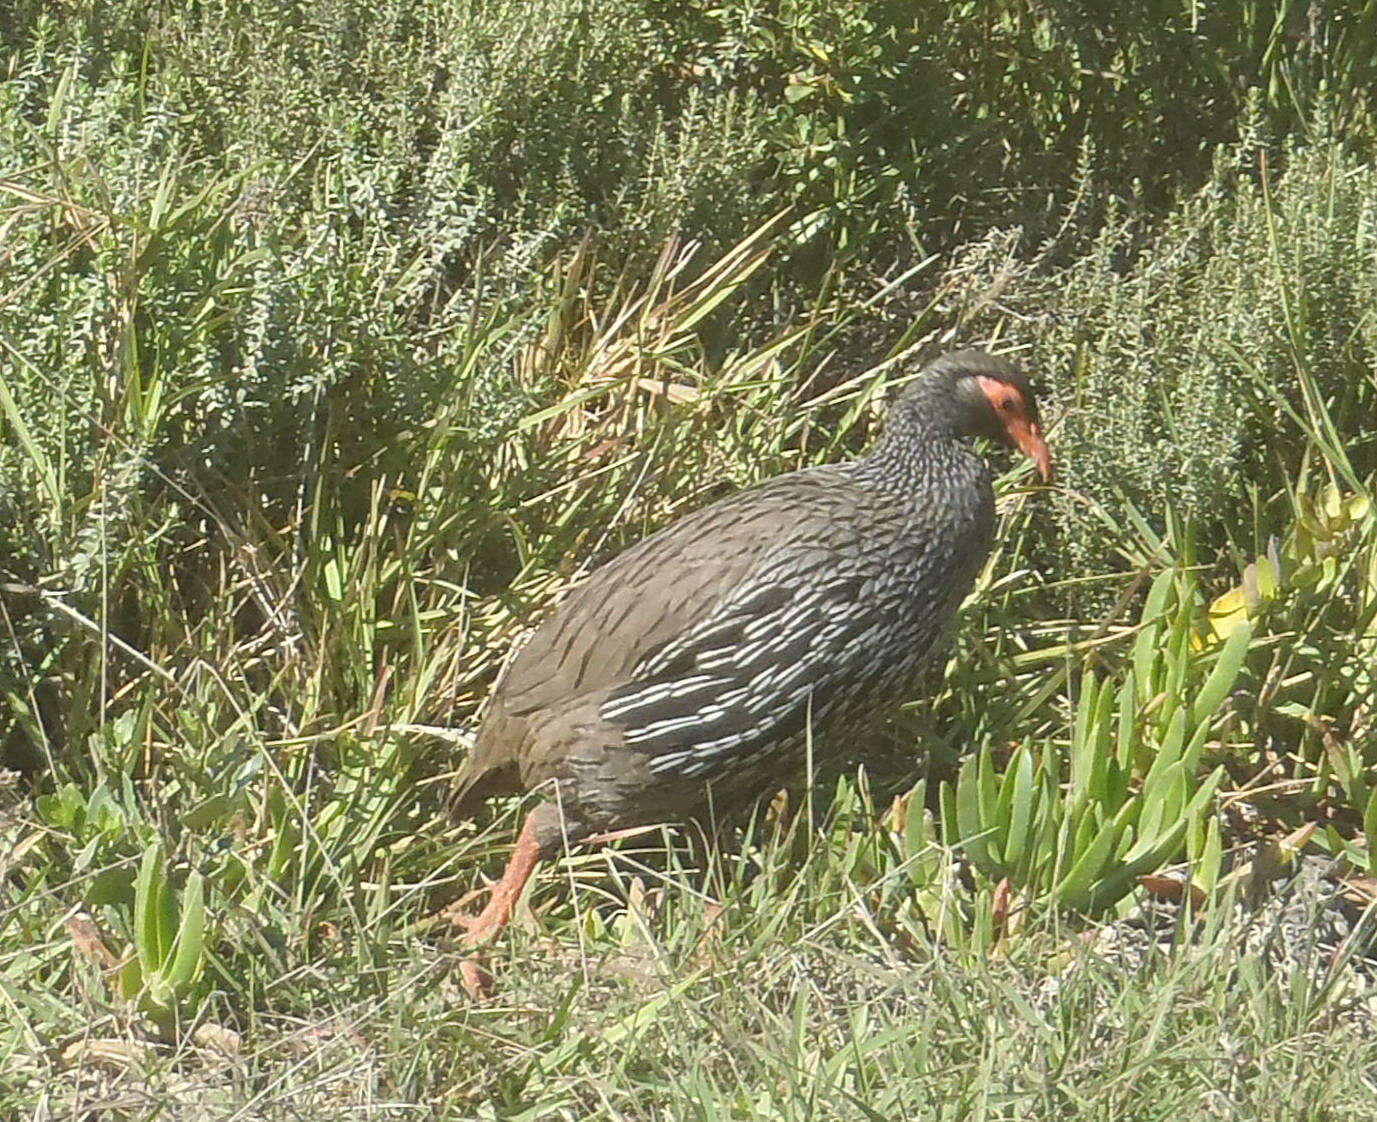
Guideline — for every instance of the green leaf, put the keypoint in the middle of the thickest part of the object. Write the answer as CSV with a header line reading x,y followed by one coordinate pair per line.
x,y
1101,742
917,832
1178,663
1210,862
968,817
989,792
1370,832
1169,751
1145,654
1226,667
946,805
146,894
110,886
333,572
1190,757
1074,889
129,981
1080,731
207,812
973,785
186,950
1156,601
166,918
1146,647
1020,782
1128,720
1159,807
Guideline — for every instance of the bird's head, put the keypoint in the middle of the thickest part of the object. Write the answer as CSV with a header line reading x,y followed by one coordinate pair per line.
x,y
978,394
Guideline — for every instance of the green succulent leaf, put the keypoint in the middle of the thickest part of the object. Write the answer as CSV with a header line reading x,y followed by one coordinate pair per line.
x,y
1224,674
186,951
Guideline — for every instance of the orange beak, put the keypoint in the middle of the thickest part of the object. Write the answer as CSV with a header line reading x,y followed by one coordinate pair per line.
x,y
1028,436
1023,432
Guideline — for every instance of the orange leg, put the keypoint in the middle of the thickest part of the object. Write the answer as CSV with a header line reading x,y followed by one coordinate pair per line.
x,y
482,928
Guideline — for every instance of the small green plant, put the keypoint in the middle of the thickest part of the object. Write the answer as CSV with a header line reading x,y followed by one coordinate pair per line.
x,y
1133,796
1312,600
1327,594
169,939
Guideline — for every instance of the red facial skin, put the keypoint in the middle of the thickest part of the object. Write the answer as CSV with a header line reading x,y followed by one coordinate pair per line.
x,y
1023,432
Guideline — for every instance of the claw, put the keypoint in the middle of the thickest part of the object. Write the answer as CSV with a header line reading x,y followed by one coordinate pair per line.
x,y
464,921
477,981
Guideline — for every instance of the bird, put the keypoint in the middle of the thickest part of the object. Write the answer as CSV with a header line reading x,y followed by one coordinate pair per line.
x,y
682,681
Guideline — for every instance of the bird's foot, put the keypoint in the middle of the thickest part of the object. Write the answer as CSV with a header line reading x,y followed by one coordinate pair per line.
x,y
476,979
481,929
457,915
477,929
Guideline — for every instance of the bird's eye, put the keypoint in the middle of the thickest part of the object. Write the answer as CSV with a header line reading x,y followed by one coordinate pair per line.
x,y
1007,405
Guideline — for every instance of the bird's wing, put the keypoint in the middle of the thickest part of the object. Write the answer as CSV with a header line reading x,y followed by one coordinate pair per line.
x,y
643,599
657,589
783,651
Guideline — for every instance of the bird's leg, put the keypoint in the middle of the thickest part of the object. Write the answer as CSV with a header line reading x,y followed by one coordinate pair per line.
x,y
498,913
531,849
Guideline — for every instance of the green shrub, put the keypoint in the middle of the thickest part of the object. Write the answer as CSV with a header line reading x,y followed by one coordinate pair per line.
x,y
1187,360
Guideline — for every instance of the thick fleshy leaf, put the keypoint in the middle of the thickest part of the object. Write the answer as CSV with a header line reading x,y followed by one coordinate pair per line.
x,y
1225,672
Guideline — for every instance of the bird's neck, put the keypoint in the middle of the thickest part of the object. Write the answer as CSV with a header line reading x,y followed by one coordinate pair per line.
x,y
923,457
